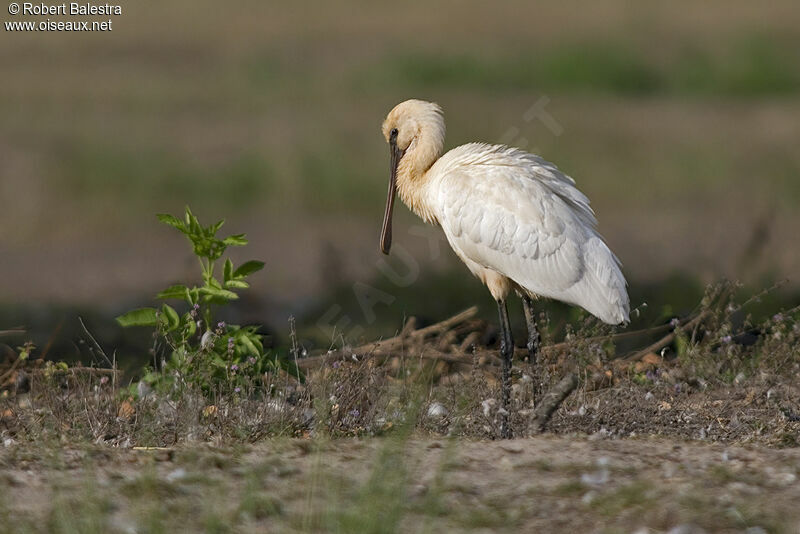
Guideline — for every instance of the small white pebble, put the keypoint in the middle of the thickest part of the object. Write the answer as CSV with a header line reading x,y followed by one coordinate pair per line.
x,y
600,434
598,478
176,475
649,396
437,409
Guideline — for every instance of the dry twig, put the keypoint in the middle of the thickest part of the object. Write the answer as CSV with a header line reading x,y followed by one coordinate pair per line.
x,y
12,332
78,370
13,368
411,342
551,401
669,338
94,345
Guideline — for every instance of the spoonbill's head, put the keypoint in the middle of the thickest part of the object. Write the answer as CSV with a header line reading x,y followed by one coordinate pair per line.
x,y
403,128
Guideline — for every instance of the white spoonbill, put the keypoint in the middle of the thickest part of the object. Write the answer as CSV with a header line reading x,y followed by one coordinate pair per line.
x,y
514,219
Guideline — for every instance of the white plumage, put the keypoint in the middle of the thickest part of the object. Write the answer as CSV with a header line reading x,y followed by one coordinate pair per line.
x,y
514,219
516,214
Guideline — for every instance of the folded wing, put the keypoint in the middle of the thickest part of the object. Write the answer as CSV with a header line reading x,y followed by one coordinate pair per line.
x,y
517,214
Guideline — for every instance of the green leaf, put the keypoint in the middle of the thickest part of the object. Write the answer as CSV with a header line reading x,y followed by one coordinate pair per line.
x,y
228,271
213,292
237,240
166,218
248,268
177,291
237,284
249,345
192,223
138,317
190,324
249,332
173,320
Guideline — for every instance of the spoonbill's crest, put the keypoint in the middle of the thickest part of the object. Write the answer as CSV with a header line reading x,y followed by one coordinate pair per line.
x,y
513,218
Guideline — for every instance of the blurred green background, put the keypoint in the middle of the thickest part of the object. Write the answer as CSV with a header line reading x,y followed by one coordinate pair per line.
x,y
681,122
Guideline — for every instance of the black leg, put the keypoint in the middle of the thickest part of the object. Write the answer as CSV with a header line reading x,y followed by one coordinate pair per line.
x,y
506,352
533,332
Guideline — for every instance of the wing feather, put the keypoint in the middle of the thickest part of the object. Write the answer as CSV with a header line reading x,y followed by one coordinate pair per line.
x,y
515,213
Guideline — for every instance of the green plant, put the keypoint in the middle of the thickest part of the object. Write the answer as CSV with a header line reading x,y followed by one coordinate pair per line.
x,y
205,352
25,350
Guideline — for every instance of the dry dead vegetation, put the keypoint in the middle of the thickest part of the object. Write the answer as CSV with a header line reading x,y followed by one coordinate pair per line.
x,y
697,429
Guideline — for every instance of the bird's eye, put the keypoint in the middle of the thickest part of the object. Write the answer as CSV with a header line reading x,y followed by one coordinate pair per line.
x,y
393,133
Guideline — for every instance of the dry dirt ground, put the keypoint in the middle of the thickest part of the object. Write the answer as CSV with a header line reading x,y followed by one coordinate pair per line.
x,y
626,458
702,442
541,484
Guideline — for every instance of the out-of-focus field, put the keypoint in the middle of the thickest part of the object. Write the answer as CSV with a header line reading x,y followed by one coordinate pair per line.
x,y
680,121
552,484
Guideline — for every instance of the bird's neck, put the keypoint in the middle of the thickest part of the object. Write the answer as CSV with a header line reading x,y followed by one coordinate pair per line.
x,y
413,177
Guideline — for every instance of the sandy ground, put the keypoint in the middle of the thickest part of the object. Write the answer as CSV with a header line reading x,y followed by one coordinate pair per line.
x,y
541,484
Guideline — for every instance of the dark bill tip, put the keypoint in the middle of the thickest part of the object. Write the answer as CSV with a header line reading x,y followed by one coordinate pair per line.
x,y
386,230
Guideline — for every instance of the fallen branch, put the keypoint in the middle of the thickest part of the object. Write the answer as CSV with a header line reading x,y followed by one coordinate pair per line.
x,y
12,332
13,368
551,401
70,371
386,347
523,352
408,334
75,371
408,338
666,340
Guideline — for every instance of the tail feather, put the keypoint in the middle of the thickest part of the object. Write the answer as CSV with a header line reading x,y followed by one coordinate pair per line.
x,y
603,290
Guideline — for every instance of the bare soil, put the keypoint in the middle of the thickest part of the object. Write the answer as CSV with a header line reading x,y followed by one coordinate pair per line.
x,y
396,436
541,484
756,411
